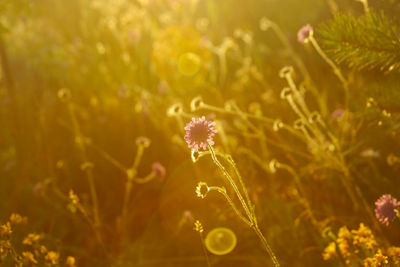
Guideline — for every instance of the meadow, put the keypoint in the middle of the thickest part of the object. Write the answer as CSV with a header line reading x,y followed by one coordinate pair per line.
x,y
199,133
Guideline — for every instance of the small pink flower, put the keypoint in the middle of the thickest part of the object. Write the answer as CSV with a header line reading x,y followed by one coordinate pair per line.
x,y
385,208
187,214
199,133
304,33
337,113
159,171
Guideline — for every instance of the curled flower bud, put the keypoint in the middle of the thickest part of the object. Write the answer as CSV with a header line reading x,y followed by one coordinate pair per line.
x,y
314,117
87,165
299,124
287,70
277,125
175,110
286,92
196,103
273,165
265,24
64,94
143,141
202,189
195,155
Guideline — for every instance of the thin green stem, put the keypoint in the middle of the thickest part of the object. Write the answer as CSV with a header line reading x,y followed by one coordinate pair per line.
x,y
301,190
89,173
204,249
266,120
130,174
246,194
231,181
251,221
222,190
336,70
266,245
299,63
146,179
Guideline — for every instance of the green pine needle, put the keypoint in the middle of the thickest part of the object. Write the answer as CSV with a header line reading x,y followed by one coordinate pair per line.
x,y
371,41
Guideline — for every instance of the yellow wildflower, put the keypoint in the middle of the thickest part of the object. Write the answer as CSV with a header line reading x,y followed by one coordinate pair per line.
x,y
43,249
329,251
378,260
74,201
394,254
5,230
363,237
5,247
31,238
70,261
15,218
52,257
198,226
28,257
343,240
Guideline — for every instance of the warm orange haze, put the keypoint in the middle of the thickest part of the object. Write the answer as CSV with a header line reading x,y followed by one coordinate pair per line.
x,y
175,133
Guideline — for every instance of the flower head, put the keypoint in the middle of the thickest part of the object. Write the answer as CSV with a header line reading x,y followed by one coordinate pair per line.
x,y
337,113
52,257
199,133
32,239
15,218
330,251
385,208
29,257
64,94
158,170
70,262
304,33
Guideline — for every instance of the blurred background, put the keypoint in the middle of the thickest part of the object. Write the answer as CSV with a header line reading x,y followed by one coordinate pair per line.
x,y
94,97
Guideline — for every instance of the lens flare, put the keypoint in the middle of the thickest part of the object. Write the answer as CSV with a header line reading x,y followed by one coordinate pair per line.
x,y
221,241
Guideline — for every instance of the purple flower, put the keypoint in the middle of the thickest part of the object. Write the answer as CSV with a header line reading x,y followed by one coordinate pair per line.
x,y
304,33
337,113
159,171
385,208
188,216
199,133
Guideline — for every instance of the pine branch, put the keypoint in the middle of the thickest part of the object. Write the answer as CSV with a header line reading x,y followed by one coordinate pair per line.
x,y
371,41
